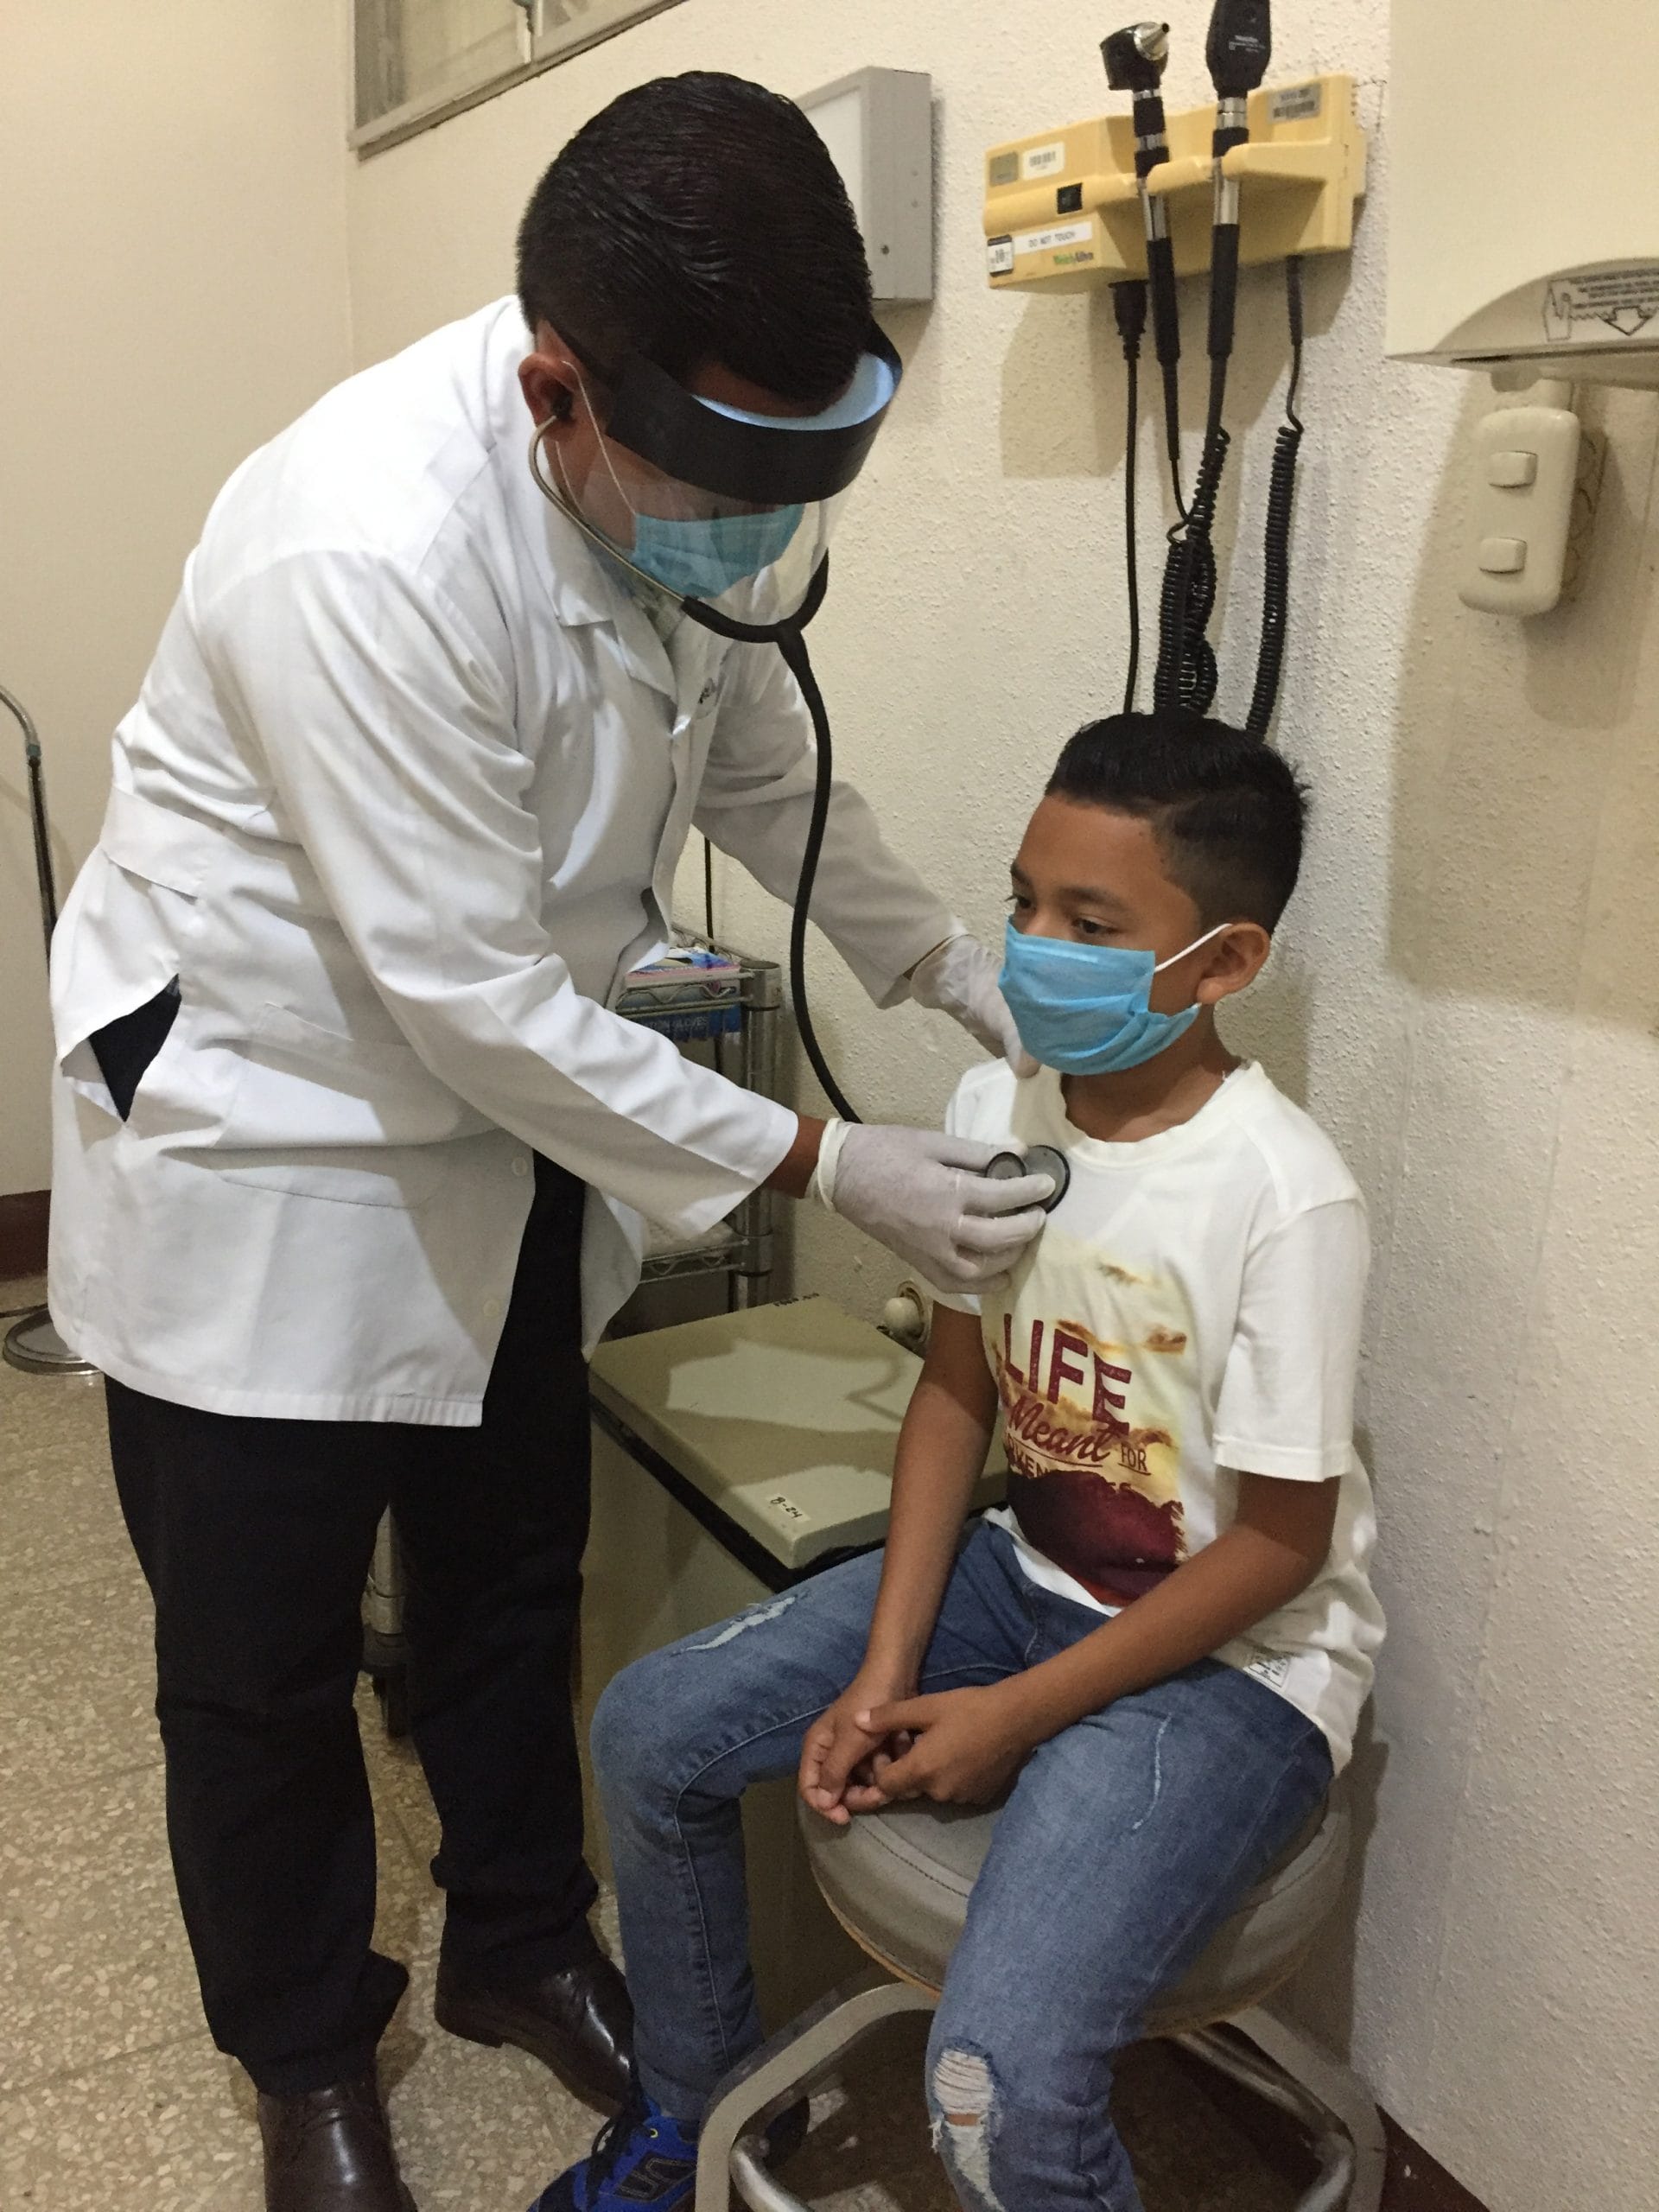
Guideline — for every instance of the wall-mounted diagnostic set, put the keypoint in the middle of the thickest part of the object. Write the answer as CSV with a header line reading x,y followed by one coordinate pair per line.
x,y
1141,198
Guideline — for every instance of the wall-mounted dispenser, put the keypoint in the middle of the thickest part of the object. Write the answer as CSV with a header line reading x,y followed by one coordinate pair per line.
x,y
878,125
1523,224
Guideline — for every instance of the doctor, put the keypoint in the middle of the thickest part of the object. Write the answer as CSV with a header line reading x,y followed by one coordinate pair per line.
x,y
352,1157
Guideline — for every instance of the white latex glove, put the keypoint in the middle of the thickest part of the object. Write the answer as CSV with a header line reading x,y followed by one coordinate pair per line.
x,y
925,1196
959,978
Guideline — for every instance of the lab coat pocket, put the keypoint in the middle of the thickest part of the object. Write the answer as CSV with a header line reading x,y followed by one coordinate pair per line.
x,y
130,913
320,1116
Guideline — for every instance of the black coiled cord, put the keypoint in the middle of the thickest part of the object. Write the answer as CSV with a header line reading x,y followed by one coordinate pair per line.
x,y
1188,675
1275,552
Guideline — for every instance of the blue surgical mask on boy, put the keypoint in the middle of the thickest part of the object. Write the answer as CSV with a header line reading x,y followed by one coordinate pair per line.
x,y
701,559
1083,1009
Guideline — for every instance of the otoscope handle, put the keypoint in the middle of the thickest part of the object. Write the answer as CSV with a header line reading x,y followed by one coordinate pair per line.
x,y
1166,315
1223,288
1151,133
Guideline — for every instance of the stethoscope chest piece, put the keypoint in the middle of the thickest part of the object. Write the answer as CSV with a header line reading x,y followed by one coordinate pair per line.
x,y
1040,1160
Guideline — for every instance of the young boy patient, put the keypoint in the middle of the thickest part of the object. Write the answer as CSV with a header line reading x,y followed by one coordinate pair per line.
x,y
1159,1649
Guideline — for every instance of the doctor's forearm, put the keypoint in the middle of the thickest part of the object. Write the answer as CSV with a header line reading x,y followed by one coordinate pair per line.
x,y
793,1174
877,911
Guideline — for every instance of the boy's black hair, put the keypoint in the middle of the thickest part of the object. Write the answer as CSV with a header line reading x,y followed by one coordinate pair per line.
x,y
1227,810
697,220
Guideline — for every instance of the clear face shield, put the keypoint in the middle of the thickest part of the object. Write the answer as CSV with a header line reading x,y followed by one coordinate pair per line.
x,y
730,514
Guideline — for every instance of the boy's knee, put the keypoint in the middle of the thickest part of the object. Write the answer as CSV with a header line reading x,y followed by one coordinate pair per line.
x,y
968,2117
628,1739
1000,2149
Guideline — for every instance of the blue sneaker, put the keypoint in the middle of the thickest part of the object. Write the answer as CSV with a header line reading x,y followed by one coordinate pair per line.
x,y
641,2159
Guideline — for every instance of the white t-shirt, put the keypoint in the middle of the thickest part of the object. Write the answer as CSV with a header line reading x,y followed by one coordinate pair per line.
x,y
1190,1312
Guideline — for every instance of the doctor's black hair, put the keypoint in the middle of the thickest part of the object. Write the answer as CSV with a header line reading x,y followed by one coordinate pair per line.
x,y
699,219
1227,810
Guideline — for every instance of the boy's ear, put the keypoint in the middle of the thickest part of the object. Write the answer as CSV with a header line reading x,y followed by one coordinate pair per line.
x,y
1232,962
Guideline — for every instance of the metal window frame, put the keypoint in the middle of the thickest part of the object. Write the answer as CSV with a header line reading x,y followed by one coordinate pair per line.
x,y
412,117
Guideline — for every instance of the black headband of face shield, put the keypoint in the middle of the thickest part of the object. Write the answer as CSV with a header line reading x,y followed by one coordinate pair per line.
x,y
657,418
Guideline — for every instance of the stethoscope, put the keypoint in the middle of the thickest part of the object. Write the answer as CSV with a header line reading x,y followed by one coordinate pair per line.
x,y
1038,1160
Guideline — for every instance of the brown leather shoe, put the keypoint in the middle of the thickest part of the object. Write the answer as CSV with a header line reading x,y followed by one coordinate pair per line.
x,y
579,2022
330,2151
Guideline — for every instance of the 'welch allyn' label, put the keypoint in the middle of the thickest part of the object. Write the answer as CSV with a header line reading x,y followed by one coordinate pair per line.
x,y
1059,234
1602,304
1043,160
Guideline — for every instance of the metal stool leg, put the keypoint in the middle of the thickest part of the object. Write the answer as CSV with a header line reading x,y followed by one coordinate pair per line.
x,y
775,2076
1327,2099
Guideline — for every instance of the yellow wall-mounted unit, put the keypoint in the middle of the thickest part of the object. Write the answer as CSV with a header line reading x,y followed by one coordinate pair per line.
x,y
1062,209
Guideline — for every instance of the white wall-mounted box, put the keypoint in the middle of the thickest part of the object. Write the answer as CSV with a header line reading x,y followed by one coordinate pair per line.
x,y
878,125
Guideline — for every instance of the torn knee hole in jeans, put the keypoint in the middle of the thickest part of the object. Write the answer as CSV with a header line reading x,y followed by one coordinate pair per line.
x,y
757,1617
966,2096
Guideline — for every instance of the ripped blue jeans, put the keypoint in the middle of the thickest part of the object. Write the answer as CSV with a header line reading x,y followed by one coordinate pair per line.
x,y
1127,1839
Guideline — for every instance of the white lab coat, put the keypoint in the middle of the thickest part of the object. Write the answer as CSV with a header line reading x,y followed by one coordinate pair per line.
x,y
400,804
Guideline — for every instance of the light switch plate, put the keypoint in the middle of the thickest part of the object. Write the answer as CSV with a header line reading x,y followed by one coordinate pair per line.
x,y
1535,514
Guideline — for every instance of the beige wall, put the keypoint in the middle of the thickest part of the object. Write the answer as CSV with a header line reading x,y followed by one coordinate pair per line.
x,y
1467,995
173,274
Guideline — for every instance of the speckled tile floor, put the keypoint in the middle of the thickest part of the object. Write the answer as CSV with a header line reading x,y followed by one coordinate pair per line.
x,y
110,2094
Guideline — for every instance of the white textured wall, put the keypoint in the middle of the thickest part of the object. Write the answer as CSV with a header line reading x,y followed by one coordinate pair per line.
x,y
1467,994
172,291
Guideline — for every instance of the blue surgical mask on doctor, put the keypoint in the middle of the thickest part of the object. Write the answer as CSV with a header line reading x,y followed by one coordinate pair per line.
x,y
700,557
1083,1009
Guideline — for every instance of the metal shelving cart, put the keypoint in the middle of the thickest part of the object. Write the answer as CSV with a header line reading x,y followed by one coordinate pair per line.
x,y
724,1008
729,1016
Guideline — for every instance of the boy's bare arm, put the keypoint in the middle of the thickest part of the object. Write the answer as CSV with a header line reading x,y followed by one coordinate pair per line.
x,y
970,1742
1273,1549
940,1453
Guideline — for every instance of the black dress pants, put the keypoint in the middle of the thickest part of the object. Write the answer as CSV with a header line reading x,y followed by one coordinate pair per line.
x,y
256,1537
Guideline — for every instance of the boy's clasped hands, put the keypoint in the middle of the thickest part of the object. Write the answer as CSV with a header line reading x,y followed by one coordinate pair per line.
x,y
878,1744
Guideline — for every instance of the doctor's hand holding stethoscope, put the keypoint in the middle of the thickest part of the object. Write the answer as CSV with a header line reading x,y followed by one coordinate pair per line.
x,y
925,1195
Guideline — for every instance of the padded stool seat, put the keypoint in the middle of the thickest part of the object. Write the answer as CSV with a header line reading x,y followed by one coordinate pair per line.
x,y
898,1882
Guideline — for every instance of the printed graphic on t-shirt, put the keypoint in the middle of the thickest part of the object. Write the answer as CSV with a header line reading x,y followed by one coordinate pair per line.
x,y
1091,1426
